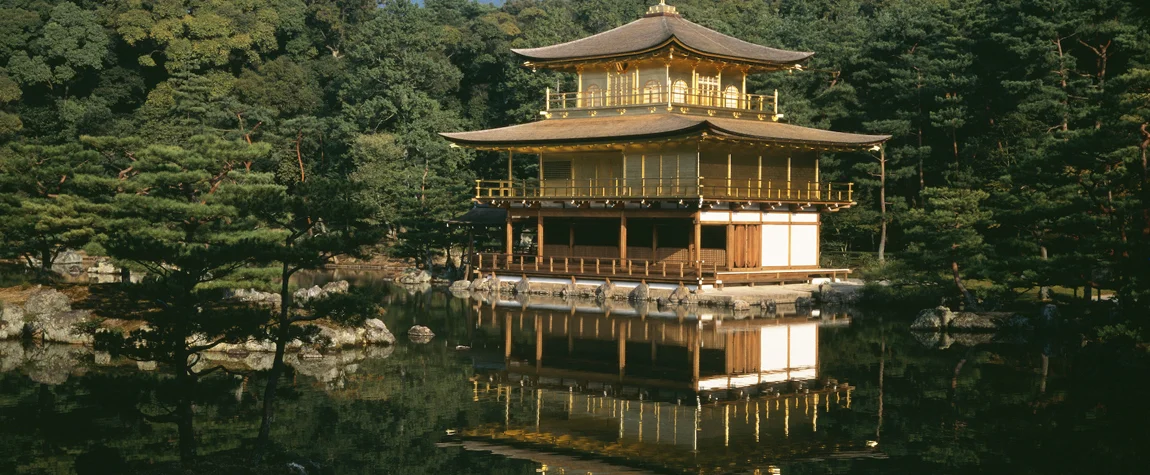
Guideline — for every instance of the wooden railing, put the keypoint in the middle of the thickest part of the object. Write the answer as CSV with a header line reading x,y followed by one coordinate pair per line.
x,y
666,188
592,266
704,97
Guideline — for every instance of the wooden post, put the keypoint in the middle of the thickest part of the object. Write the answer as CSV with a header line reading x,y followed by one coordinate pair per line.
x,y
510,233
694,342
539,235
699,242
623,237
621,333
510,160
538,343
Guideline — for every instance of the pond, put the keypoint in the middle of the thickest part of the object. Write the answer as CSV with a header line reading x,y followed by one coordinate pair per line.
x,y
526,387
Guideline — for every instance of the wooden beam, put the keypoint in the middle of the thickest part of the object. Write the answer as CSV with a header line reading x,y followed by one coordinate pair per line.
x,y
623,237
539,235
699,241
510,233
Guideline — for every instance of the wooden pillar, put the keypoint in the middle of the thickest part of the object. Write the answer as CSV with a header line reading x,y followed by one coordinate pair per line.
x,y
732,246
506,337
539,235
538,343
699,241
654,242
623,237
510,160
579,88
621,334
510,233
694,342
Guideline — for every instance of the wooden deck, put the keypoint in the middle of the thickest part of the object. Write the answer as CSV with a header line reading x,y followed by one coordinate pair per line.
x,y
666,271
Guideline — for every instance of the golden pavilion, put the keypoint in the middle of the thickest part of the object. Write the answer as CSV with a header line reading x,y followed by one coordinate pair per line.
x,y
661,166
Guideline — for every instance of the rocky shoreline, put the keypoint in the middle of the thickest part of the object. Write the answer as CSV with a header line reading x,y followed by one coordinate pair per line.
x,y
47,316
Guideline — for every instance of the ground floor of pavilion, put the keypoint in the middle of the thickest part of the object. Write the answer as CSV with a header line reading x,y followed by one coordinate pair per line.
x,y
690,246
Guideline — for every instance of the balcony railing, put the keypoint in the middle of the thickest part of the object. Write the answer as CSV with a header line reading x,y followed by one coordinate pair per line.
x,y
665,188
702,97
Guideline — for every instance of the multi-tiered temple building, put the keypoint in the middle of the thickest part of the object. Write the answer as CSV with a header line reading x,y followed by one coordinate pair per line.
x,y
661,166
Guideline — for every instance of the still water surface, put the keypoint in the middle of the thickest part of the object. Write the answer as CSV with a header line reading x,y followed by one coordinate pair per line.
x,y
544,386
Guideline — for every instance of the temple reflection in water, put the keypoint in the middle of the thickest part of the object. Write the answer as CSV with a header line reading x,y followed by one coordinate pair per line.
x,y
581,387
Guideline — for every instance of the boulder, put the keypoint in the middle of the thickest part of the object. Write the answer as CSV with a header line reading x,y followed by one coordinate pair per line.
x,y
11,322
338,337
11,355
45,302
804,303
413,277
51,364
484,284
103,267
460,286
769,306
740,305
523,286
932,319
377,333
972,322
337,287
63,327
640,293
604,291
302,296
420,334
680,295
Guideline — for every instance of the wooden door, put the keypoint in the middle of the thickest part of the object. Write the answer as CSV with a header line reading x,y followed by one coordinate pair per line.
x,y
744,246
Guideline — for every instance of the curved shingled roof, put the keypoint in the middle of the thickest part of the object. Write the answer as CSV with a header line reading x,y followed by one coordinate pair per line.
x,y
623,128
655,31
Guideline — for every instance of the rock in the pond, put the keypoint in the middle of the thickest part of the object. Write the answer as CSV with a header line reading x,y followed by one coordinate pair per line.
x,y
972,322
523,286
804,303
413,277
739,305
460,286
377,333
769,306
11,322
302,296
420,334
336,287
45,302
64,327
680,295
604,291
932,319
103,267
640,293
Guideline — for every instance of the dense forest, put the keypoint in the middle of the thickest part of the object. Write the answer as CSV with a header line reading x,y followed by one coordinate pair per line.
x,y
1019,157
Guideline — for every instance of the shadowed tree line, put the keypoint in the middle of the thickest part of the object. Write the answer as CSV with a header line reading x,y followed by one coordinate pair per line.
x,y
219,144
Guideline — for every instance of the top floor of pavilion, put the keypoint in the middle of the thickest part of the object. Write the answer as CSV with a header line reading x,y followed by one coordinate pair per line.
x,y
661,111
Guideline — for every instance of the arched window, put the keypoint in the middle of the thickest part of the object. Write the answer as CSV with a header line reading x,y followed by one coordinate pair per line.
x,y
593,97
679,92
652,93
731,97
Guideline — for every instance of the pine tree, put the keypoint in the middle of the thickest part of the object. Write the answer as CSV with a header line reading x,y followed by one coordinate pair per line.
x,y
945,237
52,198
181,217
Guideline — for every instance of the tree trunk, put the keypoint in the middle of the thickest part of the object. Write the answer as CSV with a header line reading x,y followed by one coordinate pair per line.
x,y
46,259
125,275
184,414
970,302
281,335
882,204
1044,291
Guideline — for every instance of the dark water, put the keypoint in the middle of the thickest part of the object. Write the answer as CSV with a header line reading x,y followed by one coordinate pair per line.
x,y
692,392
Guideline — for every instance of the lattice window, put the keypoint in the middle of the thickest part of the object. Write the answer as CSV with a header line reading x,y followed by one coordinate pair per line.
x,y
731,97
557,170
652,93
593,96
679,92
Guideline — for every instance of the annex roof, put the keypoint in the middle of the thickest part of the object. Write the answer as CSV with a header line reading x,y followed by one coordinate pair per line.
x,y
600,130
658,29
